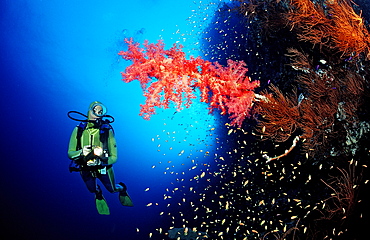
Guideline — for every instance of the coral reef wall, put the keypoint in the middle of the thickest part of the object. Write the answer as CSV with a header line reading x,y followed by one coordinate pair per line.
x,y
297,168
312,61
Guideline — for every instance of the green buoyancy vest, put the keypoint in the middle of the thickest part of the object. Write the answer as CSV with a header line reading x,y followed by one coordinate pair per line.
x,y
102,132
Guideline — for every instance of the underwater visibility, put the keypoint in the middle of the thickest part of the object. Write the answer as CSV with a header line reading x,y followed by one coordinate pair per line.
x,y
212,119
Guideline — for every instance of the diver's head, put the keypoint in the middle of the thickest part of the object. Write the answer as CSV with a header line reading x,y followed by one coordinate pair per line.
x,y
96,111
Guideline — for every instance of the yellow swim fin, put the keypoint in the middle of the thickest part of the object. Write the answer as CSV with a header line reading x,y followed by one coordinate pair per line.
x,y
123,196
102,206
125,199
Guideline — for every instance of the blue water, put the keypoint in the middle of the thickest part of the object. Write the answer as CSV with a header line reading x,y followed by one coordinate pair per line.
x,y
58,56
182,169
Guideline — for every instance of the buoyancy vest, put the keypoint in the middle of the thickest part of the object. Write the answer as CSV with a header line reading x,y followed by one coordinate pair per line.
x,y
103,133
104,128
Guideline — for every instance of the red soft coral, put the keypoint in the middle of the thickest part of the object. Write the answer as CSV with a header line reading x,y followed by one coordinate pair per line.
x,y
166,76
231,90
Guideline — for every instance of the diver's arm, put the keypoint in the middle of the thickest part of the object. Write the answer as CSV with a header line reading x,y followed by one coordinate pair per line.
x,y
112,148
72,153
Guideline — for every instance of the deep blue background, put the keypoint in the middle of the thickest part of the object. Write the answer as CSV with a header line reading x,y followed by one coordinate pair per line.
x,y
57,56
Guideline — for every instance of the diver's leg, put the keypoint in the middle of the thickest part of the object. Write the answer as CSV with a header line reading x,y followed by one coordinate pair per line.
x,y
90,181
123,196
109,181
111,186
101,203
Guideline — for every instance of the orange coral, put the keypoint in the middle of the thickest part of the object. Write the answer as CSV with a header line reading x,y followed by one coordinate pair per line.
x,y
349,32
282,115
339,27
309,20
329,95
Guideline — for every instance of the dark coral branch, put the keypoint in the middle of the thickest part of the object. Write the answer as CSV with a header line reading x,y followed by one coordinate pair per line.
x,y
279,114
345,189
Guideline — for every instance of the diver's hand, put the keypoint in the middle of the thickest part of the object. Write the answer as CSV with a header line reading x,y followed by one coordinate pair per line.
x,y
98,151
86,150
93,162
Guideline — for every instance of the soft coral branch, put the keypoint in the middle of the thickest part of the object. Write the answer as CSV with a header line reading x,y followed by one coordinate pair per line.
x,y
166,77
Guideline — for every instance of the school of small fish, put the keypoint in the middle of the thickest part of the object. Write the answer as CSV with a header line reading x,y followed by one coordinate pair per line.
x,y
221,185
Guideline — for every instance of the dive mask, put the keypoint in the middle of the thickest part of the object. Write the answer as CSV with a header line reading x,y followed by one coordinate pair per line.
x,y
98,110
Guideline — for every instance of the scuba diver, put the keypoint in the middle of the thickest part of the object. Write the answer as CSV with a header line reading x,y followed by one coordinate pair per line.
x,y
93,151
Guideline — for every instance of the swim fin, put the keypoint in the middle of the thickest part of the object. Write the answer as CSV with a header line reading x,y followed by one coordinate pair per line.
x,y
101,204
123,196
